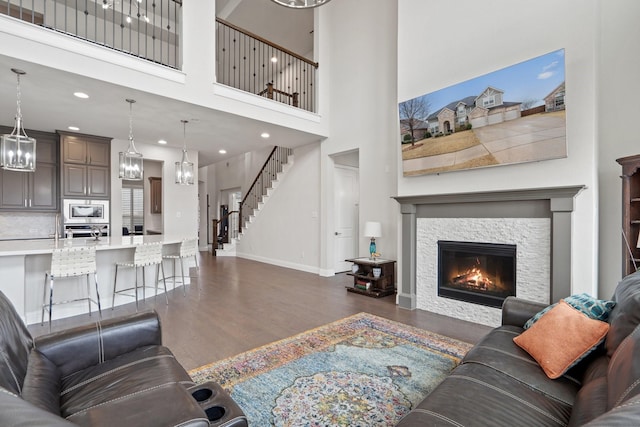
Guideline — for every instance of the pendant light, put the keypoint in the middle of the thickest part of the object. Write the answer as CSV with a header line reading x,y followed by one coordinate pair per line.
x,y
131,160
17,150
301,4
184,168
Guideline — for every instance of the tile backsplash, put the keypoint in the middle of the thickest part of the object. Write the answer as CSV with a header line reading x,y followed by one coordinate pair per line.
x,y
23,225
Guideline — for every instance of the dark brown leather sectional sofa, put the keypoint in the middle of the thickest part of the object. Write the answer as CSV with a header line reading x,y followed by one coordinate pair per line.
x,y
499,384
112,373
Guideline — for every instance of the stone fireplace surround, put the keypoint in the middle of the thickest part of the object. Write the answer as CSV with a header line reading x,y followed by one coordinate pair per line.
x,y
555,204
533,262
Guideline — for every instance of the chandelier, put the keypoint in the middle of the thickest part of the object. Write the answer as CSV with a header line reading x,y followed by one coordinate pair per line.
x,y
184,168
301,4
131,160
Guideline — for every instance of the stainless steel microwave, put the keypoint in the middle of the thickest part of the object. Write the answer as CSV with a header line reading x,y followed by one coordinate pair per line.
x,y
85,211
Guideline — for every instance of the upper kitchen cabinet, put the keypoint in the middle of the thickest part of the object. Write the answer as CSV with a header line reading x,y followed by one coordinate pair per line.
x,y
85,165
85,149
33,191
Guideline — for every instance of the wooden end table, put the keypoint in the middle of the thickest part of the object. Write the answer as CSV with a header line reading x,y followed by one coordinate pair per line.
x,y
364,281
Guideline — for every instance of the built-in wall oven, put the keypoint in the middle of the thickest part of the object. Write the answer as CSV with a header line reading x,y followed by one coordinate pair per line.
x,y
84,217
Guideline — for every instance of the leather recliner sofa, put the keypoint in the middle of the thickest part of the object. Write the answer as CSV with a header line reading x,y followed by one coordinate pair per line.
x,y
115,372
499,384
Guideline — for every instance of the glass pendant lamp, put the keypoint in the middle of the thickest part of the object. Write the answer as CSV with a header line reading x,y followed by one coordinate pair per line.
x,y
17,150
184,168
301,4
131,160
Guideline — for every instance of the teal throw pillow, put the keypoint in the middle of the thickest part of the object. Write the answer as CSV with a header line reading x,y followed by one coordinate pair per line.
x,y
593,308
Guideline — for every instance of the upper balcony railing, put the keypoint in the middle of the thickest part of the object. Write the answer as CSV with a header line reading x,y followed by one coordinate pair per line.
x,y
250,63
151,29
147,29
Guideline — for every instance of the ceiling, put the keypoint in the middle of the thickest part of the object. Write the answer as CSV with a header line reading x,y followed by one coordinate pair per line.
x,y
105,113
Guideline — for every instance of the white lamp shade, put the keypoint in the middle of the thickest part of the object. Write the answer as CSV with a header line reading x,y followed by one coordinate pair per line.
x,y
372,229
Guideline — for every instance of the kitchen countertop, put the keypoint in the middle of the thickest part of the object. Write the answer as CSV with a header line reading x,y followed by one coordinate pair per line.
x,y
46,246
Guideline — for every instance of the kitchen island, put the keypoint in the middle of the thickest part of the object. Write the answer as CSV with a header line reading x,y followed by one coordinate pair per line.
x,y
23,264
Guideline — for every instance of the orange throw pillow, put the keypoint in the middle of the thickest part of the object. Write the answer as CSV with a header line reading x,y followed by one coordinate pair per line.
x,y
561,338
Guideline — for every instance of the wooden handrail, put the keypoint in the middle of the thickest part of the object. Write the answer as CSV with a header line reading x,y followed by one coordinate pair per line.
x,y
258,176
274,90
218,221
274,164
267,42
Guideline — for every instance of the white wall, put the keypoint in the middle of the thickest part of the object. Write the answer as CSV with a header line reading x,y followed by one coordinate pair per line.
x,y
253,162
179,202
286,231
618,112
356,47
440,45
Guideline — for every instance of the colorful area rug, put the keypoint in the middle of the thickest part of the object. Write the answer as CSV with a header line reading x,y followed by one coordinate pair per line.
x,y
359,371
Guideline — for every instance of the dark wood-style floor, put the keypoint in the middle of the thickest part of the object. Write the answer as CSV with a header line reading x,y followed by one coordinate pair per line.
x,y
234,305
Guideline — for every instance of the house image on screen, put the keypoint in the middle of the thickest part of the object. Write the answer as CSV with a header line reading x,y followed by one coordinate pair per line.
x,y
555,100
485,109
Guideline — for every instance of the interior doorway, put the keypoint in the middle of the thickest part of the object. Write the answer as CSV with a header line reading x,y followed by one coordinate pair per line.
x,y
142,205
346,203
153,197
132,207
228,226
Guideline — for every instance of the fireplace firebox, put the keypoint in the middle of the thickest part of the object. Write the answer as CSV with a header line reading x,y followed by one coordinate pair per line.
x,y
480,273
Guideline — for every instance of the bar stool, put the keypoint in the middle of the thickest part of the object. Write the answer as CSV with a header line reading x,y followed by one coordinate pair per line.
x,y
188,248
71,262
145,254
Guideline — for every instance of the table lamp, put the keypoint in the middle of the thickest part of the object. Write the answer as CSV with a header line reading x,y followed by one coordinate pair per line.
x,y
372,229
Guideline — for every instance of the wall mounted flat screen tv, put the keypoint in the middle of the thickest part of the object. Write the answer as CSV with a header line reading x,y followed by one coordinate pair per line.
x,y
513,115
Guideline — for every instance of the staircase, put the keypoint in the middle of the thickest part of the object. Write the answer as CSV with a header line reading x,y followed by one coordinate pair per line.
x,y
272,173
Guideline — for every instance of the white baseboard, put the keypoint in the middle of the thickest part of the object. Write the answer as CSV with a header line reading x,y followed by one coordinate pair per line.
x,y
280,263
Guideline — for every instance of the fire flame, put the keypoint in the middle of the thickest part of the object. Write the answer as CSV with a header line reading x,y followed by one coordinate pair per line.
x,y
473,278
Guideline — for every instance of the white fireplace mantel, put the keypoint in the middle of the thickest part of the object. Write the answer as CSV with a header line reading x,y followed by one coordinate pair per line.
x,y
556,203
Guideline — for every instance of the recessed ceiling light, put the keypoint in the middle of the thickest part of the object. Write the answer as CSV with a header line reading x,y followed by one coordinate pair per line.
x,y
274,59
265,135
73,128
162,141
81,95
223,151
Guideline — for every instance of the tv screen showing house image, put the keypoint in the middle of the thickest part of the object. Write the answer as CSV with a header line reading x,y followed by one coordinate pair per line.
x,y
513,115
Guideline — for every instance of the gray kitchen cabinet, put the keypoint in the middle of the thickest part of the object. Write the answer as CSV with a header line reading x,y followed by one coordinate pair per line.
x,y
14,190
41,187
85,149
33,191
98,180
74,178
85,181
85,165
